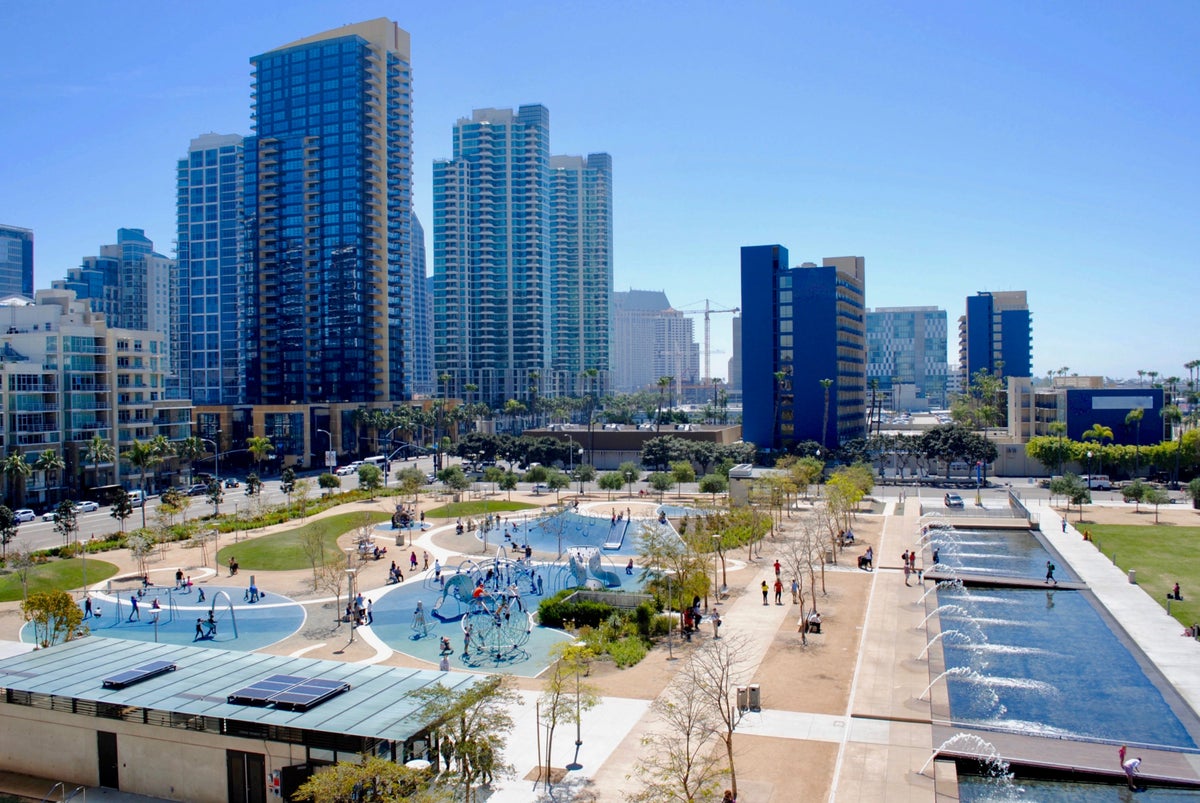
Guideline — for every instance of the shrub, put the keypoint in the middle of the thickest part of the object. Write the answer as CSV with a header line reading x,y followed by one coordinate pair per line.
x,y
627,651
642,616
661,625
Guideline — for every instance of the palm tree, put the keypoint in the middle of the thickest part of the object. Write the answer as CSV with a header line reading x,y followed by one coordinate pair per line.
x,y
98,451
49,461
1134,418
1098,433
1141,377
142,456
162,447
663,383
826,384
189,450
17,469
259,447
1172,416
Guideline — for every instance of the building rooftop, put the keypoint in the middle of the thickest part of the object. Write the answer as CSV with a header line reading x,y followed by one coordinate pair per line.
x,y
379,704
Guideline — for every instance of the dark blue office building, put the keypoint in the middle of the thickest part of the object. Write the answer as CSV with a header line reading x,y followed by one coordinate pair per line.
x,y
801,326
1109,407
996,335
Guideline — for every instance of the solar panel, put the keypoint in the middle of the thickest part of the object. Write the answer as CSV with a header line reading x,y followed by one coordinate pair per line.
x,y
138,674
289,692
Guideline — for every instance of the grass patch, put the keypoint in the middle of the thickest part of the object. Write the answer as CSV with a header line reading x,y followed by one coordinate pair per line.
x,y
56,575
1162,557
284,551
459,509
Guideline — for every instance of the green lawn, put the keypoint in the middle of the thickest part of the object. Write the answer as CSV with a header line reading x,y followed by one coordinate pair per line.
x,y
64,575
284,551
1162,556
460,509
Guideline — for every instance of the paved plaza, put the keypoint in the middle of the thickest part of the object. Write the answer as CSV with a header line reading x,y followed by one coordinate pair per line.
x,y
845,717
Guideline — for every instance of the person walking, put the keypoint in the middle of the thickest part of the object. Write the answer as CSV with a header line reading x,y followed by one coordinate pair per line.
x,y
778,567
907,571
134,613
716,620
1050,573
370,613
1064,526
778,591
765,590
87,607
412,561
795,591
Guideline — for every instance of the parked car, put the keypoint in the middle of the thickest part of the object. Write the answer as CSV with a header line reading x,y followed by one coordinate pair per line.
x,y
86,507
953,500
24,514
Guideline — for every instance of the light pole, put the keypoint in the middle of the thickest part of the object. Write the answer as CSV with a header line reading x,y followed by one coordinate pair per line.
x,y
716,584
329,448
1089,483
216,455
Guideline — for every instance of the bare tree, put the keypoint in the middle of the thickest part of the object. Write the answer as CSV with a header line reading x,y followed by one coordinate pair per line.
x,y
565,695
715,671
328,577
681,764
140,548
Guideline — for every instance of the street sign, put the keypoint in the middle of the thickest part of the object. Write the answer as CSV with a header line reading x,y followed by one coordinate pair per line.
x,y
330,459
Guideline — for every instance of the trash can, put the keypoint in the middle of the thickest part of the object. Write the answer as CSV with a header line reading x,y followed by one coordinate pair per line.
x,y
829,556
743,698
755,697
1133,577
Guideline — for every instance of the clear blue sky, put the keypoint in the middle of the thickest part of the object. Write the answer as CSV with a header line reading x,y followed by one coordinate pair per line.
x,y
964,146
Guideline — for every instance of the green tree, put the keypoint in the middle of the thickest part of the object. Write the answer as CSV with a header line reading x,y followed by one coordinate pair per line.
x,y
557,481
369,778
611,481
214,493
98,451
122,508
287,483
714,484
661,481
508,482
475,722
663,383
54,615
254,484
1156,497
66,521
1074,489
681,472
370,478
328,482
565,695
50,463
17,470
493,474
411,481
8,529
454,478
1135,492
1193,492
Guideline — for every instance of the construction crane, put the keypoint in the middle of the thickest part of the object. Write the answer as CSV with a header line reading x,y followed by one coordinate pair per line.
x,y
707,312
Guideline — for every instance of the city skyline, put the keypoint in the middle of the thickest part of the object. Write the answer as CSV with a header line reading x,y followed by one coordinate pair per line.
x,y
957,149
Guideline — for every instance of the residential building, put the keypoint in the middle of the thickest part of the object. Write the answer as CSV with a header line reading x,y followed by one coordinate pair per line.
x,y
522,260
129,282
16,261
420,334
66,376
651,339
211,287
996,335
802,327
907,345
328,206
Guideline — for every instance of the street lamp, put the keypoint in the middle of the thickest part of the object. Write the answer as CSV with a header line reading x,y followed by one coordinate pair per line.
x,y
216,455
1089,484
719,556
329,449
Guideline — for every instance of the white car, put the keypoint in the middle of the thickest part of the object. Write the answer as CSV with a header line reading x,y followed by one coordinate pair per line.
x,y
86,507
345,471
24,514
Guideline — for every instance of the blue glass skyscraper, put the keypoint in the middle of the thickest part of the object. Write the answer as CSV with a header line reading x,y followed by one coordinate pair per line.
x,y
16,261
210,329
522,260
328,208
